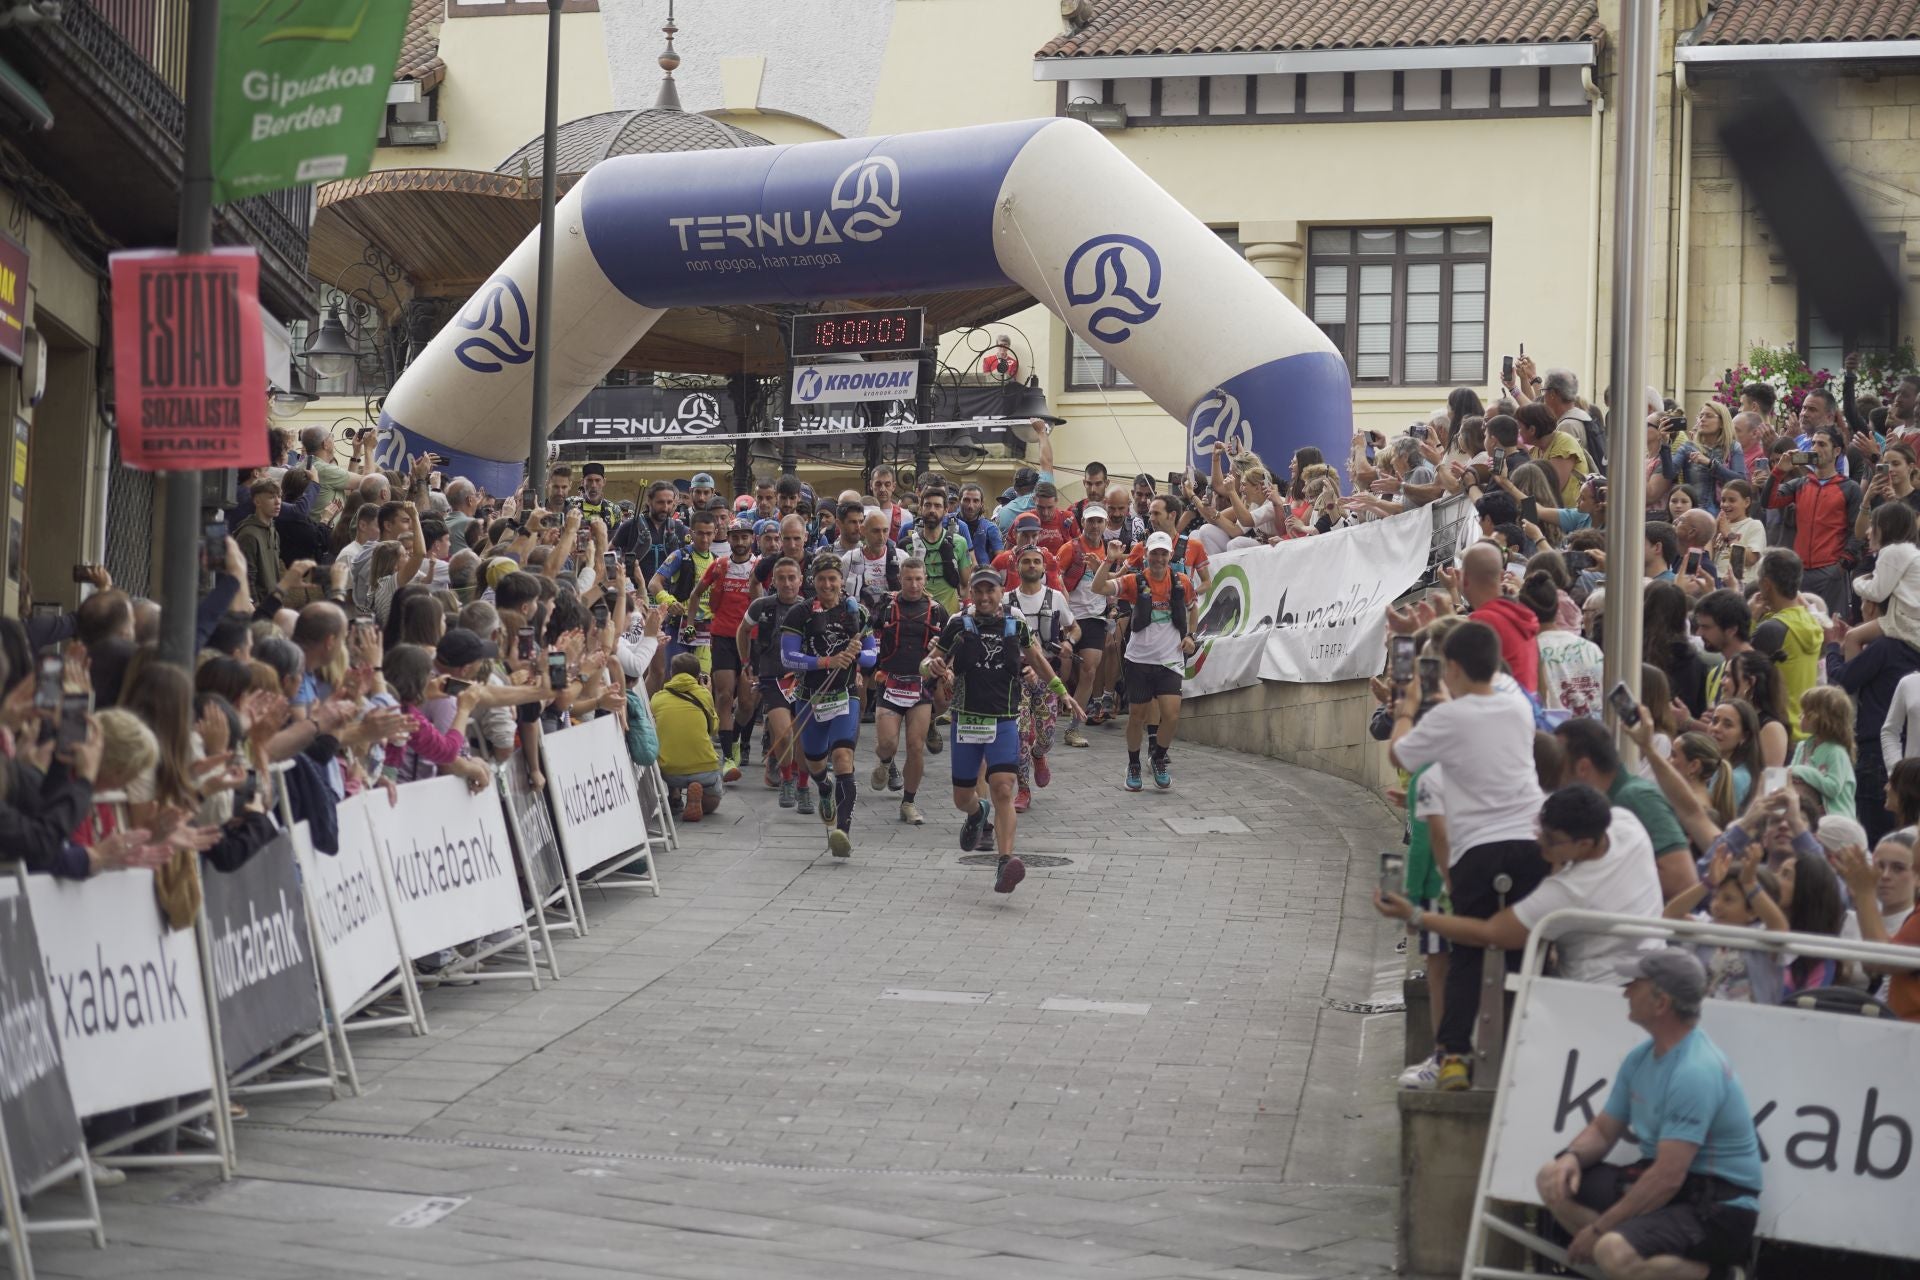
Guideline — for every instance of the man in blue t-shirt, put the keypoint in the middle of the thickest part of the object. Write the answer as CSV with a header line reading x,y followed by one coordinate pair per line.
x,y
1689,1204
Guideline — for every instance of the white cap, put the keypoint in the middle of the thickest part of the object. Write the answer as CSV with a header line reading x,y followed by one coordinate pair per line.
x,y
1091,510
1160,541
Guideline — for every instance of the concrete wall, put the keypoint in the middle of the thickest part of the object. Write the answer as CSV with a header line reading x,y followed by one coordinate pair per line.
x,y
1318,726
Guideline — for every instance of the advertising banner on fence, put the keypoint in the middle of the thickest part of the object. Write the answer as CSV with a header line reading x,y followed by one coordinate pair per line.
x,y
1832,1098
36,1107
302,90
450,863
261,953
189,359
531,829
1311,610
126,993
350,902
596,805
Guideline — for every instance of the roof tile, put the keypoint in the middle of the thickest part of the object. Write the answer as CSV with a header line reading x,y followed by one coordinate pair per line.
x,y
1121,28
1809,21
420,46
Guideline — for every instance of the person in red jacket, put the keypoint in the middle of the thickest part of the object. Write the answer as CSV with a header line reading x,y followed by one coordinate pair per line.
x,y
1517,626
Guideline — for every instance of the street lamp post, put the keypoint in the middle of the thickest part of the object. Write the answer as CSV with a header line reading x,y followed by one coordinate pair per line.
x,y
1626,418
543,287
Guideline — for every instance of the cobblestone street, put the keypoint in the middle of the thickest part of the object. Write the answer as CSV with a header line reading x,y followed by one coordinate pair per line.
x,y
879,1068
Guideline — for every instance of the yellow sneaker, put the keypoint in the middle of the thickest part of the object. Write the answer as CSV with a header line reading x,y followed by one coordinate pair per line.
x,y
1455,1074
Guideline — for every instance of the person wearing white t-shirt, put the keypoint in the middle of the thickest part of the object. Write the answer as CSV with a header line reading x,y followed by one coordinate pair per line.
x,y
1492,795
1602,860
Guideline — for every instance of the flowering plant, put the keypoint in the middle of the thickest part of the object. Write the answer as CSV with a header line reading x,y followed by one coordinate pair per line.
x,y
1781,368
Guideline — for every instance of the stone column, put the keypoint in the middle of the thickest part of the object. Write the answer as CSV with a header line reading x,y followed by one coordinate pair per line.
x,y
1277,251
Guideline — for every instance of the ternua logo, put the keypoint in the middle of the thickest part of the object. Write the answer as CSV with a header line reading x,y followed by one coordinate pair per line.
x,y
698,412
497,316
862,203
1217,418
1124,273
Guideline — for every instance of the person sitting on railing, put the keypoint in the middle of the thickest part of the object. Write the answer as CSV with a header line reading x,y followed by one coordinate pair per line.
x,y
1687,1208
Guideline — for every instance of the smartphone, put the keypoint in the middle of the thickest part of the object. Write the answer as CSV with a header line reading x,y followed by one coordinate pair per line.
x,y
214,547
1400,657
1393,873
1800,458
557,670
1506,368
83,573
610,561
46,689
526,646
601,612
74,710
1577,561
455,687
1174,480
580,541
1624,705
316,575
1523,348
1693,561
1429,676
1772,780
1879,469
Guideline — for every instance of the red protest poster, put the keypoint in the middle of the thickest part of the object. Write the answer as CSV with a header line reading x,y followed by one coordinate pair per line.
x,y
190,376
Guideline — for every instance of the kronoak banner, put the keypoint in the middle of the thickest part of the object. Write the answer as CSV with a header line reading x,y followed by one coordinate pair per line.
x,y
1832,1099
1311,611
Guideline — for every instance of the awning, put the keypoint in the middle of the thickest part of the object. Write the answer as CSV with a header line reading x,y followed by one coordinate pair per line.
x,y
23,97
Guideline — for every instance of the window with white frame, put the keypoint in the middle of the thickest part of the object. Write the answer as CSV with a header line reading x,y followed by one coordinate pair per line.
x,y
1407,306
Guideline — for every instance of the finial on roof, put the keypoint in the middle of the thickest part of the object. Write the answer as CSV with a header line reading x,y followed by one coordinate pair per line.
x,y
668,99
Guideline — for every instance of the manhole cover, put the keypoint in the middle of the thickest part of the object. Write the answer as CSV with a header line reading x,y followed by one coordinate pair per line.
x,y
1031,859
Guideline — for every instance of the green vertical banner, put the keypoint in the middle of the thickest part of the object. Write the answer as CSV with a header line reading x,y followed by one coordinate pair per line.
x,y
302,87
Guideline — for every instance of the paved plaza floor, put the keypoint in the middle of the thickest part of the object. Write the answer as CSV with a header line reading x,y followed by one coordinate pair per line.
x,y
788,1065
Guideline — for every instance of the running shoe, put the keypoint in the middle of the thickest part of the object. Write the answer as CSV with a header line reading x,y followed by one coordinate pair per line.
x,y
733,756
878,781
1075,738
1422,1075
1022,800
1042,771
788,798
804,804
1133,776
1010,873
770,774
1162,771
826,802
910,814
733,771
695,809
839,843
970,829
935,743
894,781
1455,1075
1096,714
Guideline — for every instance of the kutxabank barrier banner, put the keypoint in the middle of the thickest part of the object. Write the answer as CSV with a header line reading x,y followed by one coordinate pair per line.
x,y
1311,610
350,902
531,829
1832,1100
301,88
596,806
36,1107
126,995
450,863
260,952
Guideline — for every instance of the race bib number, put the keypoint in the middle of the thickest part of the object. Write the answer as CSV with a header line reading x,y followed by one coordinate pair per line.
x,y
702,633
975,730
830,706
902,691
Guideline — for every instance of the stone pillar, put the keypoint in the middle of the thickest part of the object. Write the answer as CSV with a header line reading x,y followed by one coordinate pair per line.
x,y
1277,251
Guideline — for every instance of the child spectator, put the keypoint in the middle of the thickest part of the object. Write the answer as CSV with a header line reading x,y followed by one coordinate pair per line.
x,y
1824,758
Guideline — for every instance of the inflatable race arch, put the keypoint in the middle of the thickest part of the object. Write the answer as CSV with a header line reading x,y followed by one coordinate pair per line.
x,y
1048,205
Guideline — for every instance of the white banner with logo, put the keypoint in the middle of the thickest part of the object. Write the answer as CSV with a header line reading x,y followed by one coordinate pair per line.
x,y
1311,611
596,806
127,1000
1832,1098
868,381
450,864
354,928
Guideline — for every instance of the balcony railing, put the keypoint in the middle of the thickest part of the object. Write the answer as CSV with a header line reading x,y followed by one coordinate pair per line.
x,y
156,30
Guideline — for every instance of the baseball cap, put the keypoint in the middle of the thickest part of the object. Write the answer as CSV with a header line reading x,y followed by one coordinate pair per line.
x,y
592,469
1093,511
1160,540
702,480
1027,520
769,525
460,646
986,574
742,526
1673,972
1770,638
499,569
1025,478
743,503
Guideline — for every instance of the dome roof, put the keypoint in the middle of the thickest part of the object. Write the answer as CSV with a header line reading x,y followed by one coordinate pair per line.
x,y
581,144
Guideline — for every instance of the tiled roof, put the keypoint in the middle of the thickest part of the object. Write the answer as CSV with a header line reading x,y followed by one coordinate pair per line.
x,y
580,144
420,46
1809,21
1125,27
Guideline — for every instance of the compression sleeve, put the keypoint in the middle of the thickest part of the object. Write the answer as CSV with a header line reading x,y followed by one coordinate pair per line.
x,y
790,656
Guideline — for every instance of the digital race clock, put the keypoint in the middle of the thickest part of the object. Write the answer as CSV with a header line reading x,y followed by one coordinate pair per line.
x,y
833,333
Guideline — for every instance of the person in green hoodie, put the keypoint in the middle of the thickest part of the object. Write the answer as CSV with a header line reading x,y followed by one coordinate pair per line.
x,y
684,716
1799,656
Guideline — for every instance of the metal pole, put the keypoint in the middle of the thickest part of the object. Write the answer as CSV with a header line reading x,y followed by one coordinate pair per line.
x,y
180,523
543,288
1626,416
